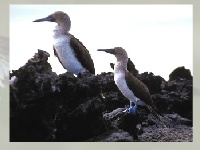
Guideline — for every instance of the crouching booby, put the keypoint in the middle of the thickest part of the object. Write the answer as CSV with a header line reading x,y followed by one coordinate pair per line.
x,y
71,53
131,87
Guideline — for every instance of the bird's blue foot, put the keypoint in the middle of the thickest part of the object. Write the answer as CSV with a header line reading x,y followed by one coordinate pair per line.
x,y
132,109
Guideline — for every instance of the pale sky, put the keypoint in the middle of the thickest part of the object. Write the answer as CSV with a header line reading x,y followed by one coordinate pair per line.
x,y
157,38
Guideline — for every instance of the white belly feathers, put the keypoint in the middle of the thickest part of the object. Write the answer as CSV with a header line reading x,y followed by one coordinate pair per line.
x,y
66,54
122,86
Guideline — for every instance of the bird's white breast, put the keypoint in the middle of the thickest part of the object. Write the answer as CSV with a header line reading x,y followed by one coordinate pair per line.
x,y
120,81
66,54
122,86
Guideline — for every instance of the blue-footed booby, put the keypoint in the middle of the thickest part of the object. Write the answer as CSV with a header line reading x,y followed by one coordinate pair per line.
x,y
131,87
71,53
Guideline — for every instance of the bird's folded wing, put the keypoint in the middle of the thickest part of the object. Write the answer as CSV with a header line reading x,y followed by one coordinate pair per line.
x,y
82,54
139,89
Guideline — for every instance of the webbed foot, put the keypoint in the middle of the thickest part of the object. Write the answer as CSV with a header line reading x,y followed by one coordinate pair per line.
x,y
132,109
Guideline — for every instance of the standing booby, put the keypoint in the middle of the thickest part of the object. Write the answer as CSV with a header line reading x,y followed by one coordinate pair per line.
x,y
71,53
131,87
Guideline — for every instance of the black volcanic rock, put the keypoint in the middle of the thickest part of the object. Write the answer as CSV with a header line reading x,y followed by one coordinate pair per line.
x,y
152,82
178,97
180,72
124,121
46,107
113,136
176,134
131,67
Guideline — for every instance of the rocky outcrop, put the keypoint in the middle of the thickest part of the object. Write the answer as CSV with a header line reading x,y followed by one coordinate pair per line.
x,y
180,72
45,106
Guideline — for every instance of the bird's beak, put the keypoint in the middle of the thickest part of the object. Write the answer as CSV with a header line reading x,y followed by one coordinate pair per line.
x,y
111,51
49,18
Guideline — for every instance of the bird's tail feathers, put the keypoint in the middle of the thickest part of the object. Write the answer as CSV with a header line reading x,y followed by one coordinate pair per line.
x,y
156,115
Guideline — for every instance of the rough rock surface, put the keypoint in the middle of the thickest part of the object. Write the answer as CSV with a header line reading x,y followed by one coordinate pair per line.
x,y
180,72
48,107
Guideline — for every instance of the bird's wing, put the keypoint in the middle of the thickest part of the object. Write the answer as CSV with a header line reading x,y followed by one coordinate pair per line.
x,y
142,93
82,54
139,89
55,53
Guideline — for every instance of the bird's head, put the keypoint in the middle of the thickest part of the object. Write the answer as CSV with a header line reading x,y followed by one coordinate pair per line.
x,y
59,17
119,52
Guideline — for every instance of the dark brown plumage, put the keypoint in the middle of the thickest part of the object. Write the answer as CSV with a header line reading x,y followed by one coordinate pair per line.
x,y
82,54
139,89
